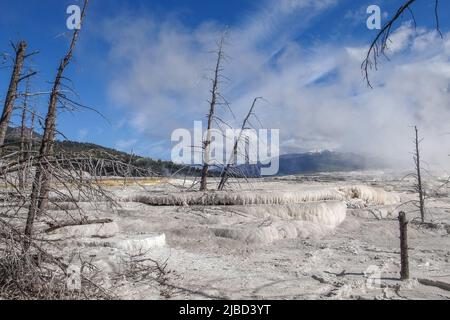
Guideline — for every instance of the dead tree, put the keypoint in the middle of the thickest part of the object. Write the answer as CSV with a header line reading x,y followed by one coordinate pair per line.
x,y
419,186
404,274
25,275
379,45
24,152
130,161
215,96
48,140
28,146
226,171
40,191
11,95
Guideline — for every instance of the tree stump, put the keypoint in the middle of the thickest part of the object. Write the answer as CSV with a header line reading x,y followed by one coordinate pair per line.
x,y
404,246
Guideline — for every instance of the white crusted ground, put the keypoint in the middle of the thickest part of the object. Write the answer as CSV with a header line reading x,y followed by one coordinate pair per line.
x,y
310,237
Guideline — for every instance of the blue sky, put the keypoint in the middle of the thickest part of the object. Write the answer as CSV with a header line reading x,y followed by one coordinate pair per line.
x,y
144,64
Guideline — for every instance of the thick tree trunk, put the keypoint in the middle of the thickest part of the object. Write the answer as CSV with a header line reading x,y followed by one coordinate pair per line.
x,y
12,91
404,274
41,184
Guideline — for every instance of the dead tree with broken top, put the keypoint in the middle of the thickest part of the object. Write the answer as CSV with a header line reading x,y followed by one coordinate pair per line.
x,y
228,166
215,96
40,191
11,95
419,186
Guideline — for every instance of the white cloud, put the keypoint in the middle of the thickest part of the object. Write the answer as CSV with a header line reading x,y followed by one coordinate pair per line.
x,y
400,39
317,95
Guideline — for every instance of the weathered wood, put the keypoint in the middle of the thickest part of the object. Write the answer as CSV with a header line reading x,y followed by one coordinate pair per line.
x,y
404,255
225,174
25,154
419,186
41,183
75,224
212,109
12,90
433,283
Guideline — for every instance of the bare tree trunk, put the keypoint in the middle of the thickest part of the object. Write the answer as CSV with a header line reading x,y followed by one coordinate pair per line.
x,y
231,162
404,246
12,90
212,109
41,184
30,144
419,186
23,152
23,136
129,173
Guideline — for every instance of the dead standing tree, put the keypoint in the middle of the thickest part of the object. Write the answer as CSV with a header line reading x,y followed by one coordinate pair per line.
x,y
419,186
24,142
215,96
11,96
12,90
40,191
226,171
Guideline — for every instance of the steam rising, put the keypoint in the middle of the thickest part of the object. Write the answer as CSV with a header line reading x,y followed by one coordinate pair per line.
x,y
316,93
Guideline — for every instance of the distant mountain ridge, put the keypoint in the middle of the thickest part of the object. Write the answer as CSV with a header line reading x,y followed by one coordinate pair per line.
x,y
324,161
13,138
290,164
314,162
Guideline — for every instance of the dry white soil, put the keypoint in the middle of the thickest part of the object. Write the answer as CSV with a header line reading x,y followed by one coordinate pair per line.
x,y
308,237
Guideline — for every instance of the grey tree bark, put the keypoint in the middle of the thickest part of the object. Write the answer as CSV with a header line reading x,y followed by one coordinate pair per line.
x,y
39,195
231,162
212,110
404,255
24,153
419,187
12,90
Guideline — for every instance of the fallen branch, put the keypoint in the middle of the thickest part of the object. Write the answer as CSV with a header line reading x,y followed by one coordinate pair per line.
x,y
433,283
80,223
